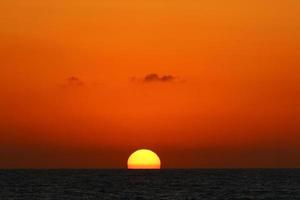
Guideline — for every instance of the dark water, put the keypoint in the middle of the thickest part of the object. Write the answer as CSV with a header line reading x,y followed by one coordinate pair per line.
x,y
143,184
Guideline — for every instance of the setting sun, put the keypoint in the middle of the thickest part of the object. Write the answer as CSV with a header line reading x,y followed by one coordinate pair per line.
x,y
143,159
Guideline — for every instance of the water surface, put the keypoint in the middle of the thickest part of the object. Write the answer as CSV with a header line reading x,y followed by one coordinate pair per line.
x,y
150,184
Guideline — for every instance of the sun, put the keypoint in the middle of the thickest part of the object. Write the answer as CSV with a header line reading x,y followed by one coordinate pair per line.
x,y
143,159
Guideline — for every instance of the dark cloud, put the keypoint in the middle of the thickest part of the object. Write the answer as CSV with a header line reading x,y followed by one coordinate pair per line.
x,y
72,81
156,78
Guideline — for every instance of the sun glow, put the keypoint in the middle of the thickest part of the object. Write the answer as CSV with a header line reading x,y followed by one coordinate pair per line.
x,y
143,159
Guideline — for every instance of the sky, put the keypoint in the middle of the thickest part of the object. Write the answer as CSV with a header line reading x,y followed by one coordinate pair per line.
x,y
204,84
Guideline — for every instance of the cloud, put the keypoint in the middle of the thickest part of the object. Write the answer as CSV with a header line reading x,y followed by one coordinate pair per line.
x,y
153,77
72,81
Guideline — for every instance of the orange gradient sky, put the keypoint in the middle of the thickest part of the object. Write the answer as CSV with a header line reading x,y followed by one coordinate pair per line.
x,y
73,91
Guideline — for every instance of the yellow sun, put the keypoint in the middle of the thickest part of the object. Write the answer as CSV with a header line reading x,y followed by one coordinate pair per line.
x,y
143,159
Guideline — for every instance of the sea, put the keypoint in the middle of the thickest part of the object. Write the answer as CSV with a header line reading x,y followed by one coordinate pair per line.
x,y
210,184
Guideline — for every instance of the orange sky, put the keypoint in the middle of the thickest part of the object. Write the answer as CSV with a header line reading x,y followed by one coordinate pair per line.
x,y
73,91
